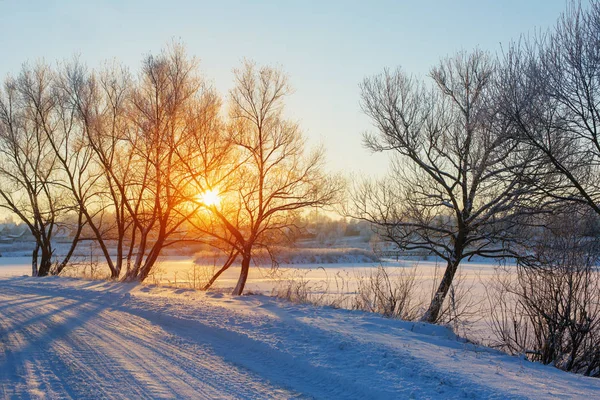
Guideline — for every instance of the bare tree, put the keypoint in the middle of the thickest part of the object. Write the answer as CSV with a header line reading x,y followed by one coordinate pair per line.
x,y
212,165
457,175
275,177
99,104
129,158
170,107
550,90
131,176
549,307
33,126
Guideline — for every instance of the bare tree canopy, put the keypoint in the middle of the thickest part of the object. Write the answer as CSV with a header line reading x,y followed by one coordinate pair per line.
x,y
35,134
456,178
135,158
551,92
274,177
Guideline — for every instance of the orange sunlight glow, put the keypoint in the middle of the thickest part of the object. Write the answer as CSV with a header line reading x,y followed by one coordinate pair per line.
x,y
210,198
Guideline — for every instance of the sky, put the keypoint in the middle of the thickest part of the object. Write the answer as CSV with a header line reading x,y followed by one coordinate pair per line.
x,y
326,47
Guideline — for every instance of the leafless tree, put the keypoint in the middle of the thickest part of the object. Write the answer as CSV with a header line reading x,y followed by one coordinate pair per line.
x,y
144,136
549,307
34,134
275,177
99,103
128,157
550,90
171,109
457,175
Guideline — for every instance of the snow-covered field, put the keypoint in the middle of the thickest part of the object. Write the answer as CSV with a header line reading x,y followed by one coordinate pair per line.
x,y
333,278
181,271
15,266
335,281
68,338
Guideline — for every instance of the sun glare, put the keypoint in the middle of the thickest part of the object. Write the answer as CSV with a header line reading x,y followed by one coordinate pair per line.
x,y
210,198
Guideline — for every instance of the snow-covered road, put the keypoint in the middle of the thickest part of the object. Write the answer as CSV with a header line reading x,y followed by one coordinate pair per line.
x,y
64,338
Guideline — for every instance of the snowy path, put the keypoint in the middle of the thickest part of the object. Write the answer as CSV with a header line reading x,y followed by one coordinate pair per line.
x,y
62,338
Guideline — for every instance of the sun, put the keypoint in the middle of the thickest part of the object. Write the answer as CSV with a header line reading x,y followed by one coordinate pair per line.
x,y
210,198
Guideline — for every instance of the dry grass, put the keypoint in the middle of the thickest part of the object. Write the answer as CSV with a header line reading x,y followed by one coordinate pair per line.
x,y
376,291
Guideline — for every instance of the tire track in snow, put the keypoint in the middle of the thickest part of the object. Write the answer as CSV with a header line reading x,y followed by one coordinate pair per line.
x,y
185,344
32,376
67,348
239,349
282,371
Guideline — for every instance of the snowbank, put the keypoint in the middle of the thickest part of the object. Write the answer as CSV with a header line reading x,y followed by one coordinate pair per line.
x,y
87,339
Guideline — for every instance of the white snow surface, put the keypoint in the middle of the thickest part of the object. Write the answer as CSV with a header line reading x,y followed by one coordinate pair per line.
x,y
70,338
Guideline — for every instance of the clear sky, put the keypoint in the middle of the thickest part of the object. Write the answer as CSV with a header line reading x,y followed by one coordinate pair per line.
x,y
326,47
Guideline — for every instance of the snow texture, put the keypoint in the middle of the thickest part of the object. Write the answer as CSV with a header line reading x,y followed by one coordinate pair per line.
x,y
69,338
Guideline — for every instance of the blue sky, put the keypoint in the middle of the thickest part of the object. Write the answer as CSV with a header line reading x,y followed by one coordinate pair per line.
x,y
326,47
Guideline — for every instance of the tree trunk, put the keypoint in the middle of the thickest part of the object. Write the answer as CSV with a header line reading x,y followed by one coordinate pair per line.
x,y
34,260
72,248
114,272
133,273
433,312
239,288
46,262
119,260
132,242
150,261
228,263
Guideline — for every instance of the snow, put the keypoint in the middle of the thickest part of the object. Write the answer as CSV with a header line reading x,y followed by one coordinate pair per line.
x,y
70,338
341,279
184,272
15,266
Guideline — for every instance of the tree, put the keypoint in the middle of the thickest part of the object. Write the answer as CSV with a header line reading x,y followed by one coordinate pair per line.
x,y
549,307
127,157
98,103
34,135
550,92
148,137
457,176
171,110
274,177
